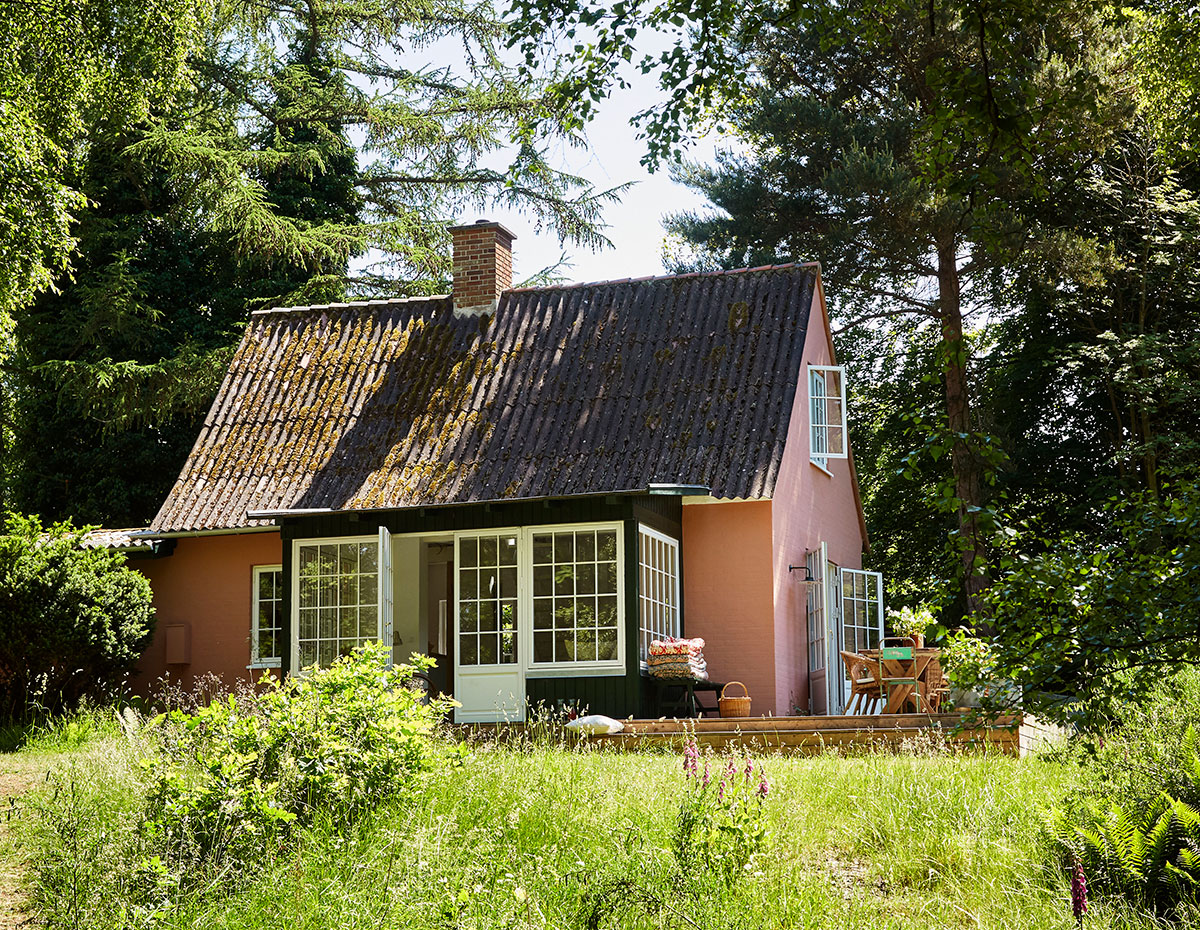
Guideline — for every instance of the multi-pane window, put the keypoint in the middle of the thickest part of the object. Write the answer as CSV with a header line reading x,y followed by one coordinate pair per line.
x,y
827,413
575,596
337,599
861,611
266,619
658,590
487,599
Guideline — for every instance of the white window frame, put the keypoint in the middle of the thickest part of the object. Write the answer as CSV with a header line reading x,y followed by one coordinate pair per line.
x,y
817,607
256,661
530,669
456,606
822,433
595,667
382,598
647,594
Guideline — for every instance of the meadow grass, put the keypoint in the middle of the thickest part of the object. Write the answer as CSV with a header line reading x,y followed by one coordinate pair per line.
x,y
548,836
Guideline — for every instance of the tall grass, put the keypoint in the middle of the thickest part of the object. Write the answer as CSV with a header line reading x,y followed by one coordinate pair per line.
x,y
545,836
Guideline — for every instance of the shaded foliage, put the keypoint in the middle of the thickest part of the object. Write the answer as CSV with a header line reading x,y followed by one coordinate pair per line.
x,y
72,620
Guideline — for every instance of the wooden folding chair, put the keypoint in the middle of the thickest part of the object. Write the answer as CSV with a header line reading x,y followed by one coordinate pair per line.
x,y
891,682
863,673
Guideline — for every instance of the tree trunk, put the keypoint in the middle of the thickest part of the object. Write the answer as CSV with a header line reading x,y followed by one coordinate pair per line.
x,y
965,463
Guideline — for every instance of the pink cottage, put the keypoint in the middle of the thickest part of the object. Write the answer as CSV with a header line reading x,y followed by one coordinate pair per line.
x,y
529,485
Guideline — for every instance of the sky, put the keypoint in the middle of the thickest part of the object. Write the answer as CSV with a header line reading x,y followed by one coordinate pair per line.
x,y
635,223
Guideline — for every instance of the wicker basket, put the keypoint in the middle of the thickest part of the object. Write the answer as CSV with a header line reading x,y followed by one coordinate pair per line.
x,y
734,706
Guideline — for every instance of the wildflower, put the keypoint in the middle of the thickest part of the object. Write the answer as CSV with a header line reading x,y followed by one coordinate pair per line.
x,y
764,787
749,771
730,770
1078,893
721,790
691,754
707,777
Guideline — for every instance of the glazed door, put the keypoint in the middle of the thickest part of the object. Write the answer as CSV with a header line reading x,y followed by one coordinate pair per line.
x,y
489,681
859,597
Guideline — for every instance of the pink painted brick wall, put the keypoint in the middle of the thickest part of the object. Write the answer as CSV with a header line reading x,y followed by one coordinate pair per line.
x,y
206,582
727,596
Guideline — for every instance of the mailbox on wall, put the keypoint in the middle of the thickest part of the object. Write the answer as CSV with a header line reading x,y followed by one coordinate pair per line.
x,y
178,639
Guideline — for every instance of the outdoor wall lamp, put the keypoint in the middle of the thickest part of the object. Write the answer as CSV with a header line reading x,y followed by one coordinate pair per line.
x,y
808,578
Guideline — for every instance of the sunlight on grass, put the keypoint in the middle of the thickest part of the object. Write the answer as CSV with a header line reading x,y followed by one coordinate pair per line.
x,y
550,837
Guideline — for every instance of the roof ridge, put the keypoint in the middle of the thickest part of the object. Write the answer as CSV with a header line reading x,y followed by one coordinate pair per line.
x,y
664,277
350,304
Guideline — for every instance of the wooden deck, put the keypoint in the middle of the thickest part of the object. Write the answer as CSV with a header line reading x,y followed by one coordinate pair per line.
x,y
817,734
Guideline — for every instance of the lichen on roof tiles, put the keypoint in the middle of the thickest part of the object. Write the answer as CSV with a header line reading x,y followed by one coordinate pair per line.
x,y
566,390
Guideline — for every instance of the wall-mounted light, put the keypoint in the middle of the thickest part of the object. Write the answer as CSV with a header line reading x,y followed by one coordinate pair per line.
x,y
808,578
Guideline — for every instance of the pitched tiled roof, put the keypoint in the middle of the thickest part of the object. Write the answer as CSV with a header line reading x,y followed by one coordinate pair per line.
x,y
580,389
116,539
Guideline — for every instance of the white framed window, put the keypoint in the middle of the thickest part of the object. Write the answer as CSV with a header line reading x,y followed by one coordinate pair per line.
x,y
488,604
827,413
658,589
576,598
540,600
337,584
266,616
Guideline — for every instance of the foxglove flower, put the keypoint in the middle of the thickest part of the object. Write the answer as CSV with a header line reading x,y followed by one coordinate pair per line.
x,y
1078,892
764,787
707,777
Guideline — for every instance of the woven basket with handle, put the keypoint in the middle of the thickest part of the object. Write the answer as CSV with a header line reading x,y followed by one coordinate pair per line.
x,y
734,706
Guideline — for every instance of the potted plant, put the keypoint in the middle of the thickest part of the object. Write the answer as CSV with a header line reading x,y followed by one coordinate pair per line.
x,y
911,623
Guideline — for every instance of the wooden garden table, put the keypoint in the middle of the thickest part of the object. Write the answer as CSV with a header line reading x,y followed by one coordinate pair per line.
x,y
914,668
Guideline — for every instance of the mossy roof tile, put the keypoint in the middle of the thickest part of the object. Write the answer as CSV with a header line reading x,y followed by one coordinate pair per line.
x,y
579,389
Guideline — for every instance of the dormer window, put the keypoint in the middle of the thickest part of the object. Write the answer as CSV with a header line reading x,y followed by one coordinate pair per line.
x,y
827,413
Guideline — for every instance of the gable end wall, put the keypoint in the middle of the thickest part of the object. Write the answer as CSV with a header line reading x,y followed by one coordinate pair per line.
x,y
809,507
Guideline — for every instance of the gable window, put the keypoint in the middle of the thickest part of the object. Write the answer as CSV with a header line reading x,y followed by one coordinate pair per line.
x,y
337,598
658,593
576,596
266,617
827,413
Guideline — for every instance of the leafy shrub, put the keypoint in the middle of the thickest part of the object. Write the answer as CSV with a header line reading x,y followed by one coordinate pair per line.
x,y
223,790
1133,823
1085,623
242,772
1149,748
721,825
72,620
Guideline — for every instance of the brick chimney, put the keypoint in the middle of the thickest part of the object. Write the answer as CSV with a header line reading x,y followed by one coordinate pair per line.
x,y
482,266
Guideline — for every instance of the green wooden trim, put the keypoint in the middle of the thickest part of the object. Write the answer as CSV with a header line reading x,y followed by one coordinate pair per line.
x,y
617,695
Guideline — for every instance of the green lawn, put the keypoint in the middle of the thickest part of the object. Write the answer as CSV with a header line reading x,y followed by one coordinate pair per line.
x,y
557,838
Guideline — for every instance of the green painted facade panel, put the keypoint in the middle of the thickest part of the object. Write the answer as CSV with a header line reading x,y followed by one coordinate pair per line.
x,y
615,695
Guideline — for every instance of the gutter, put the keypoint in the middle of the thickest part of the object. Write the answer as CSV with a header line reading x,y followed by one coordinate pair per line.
x,y
679,490
187,534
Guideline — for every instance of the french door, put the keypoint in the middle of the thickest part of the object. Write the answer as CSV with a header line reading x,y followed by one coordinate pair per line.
x,y
488,667
856,599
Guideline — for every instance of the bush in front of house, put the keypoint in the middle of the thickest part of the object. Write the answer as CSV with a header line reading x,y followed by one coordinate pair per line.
x,y
72,620
216,796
